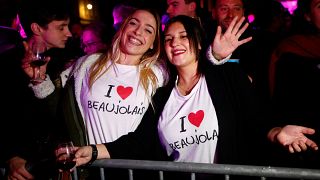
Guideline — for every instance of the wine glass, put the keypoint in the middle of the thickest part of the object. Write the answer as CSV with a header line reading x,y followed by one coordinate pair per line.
x,y
38,48
65,153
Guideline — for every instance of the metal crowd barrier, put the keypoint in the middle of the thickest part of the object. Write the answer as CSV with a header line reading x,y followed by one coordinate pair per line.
x,y
264,172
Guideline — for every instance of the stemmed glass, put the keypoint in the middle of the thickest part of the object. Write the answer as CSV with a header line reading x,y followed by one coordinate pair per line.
x,y
38,48
65,153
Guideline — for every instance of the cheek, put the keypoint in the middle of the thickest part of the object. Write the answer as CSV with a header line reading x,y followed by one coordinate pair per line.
x,y
150,41
239,14
167,50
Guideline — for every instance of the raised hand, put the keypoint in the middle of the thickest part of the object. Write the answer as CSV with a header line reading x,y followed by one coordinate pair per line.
x,y
224,44
293,137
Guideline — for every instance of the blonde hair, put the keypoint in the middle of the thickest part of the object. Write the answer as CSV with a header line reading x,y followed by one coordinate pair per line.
x,y
148,59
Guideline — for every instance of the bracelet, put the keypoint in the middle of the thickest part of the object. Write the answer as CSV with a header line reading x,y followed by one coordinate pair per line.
x,y
94,154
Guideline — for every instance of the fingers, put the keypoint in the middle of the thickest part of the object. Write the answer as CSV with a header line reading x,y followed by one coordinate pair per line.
x,y
241,31
296,147
312,144
218,33
231,26
26,46
308,131
291,150
235,29
243,41
303,146
20,175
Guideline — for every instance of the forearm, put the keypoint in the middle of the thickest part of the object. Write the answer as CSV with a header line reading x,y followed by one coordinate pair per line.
x,y
103,152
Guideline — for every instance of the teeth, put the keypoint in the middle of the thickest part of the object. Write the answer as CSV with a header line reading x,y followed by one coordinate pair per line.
x,y
134,41
178,52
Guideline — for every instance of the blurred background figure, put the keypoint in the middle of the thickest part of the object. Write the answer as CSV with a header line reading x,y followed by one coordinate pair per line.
x,y
271,25
192,9
73,46
294,83
223,11
30,152
95,38
11,52
120,12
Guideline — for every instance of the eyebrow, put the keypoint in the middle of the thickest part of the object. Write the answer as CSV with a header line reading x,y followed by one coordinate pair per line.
x,y
149,25
173,2
181,32
235,5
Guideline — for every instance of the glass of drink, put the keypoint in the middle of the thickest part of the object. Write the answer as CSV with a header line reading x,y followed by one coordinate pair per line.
x,y
65,159
38,49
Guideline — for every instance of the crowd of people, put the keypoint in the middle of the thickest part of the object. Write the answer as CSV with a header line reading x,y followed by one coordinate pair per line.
x,y
204,90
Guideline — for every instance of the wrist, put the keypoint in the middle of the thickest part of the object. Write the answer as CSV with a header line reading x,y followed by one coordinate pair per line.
x,y
272,135
94,154
216,56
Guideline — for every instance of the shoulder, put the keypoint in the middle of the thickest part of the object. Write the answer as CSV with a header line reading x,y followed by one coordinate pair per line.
x,y
161,73
85,62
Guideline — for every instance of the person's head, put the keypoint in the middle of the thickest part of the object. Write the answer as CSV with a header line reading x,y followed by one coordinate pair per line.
x,y
119,13
271,15
94,38
224,11
310,10
139,35
138,38
183,41
181,7
46,20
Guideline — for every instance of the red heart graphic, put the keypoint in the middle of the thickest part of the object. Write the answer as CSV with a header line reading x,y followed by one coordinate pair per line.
x,y
124,92
196,118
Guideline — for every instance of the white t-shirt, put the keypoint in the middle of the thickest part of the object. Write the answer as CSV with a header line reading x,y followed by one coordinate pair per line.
x,y
188,125
116,103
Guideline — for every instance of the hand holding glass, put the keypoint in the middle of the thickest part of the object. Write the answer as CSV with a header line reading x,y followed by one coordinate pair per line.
x,y
65,154
38,48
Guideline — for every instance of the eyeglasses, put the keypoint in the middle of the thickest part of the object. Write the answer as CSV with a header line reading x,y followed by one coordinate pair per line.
x,y
89,44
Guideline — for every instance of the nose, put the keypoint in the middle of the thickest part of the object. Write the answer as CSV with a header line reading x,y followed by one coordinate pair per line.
x,y
169,10
138,30
68,33
174,42
231,13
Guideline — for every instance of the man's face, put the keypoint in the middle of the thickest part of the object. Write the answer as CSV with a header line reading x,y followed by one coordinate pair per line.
x,y
179,7
226,10
56,34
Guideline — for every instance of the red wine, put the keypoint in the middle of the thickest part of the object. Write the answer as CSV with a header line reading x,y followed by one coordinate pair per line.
x,y
37,63
66,164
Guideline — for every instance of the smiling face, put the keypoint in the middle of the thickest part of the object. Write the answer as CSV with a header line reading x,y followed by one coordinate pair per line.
x,y
177,46
139,34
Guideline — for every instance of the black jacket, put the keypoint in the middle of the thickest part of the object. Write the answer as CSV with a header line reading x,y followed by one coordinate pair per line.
x,y
237,113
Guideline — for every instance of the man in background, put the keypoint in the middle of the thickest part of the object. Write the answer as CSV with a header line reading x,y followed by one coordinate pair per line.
x,y
32,152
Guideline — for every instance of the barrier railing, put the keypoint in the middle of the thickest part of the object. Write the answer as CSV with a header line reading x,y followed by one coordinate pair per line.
x,y
264,172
